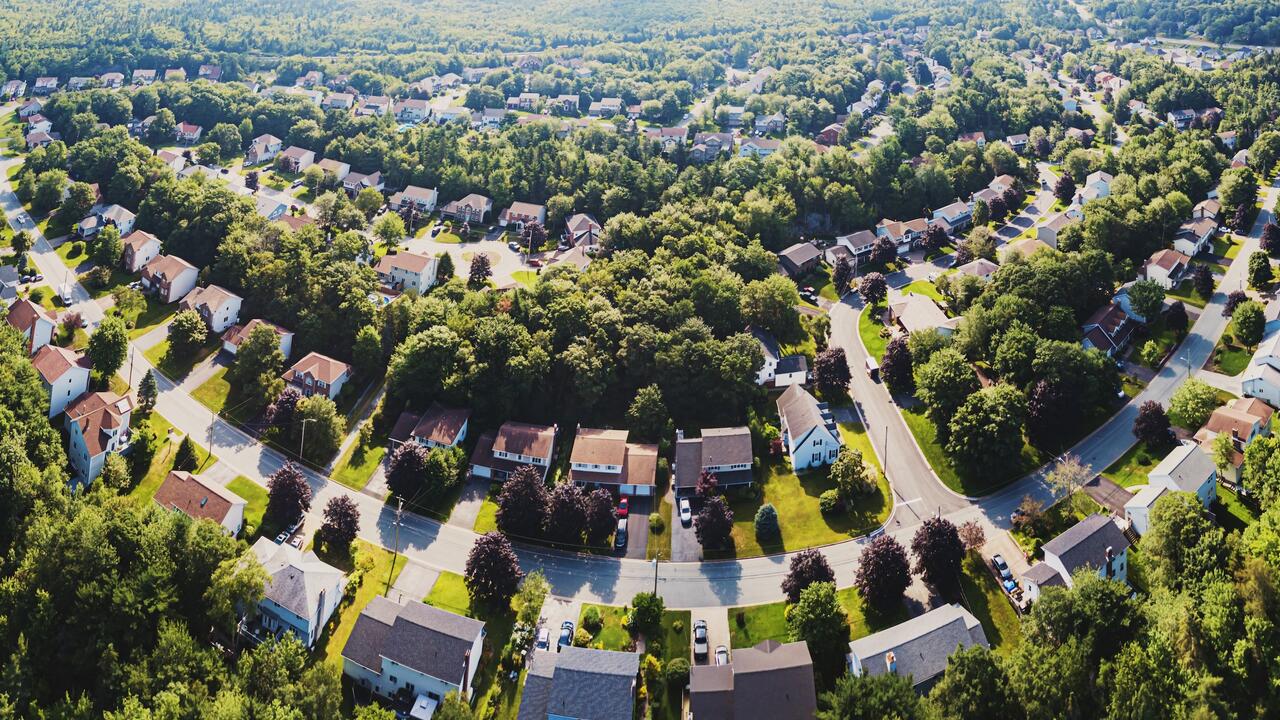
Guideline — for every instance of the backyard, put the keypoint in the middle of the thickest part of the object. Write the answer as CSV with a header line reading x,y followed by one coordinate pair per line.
x,y
376,575
495,696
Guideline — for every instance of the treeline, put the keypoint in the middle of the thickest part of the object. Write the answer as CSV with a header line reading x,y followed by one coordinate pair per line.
x,y
1241,21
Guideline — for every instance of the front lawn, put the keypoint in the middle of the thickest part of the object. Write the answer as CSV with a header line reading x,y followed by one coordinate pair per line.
x,y
869,329
1229,356
988,602
213,392
1227,246
660,540
154,315
150,479
450,593
526,278
749,626
376,574
611,635
1164,338
487,518
359,462
820,281
73,253
177,367
1000,473
447,236
495,696
1056,520
255,497
1132,467
924,287
1185,291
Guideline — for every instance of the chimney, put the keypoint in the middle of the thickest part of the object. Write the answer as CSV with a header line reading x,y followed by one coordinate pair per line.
x,y
466,667
891,662
679,435
1110,567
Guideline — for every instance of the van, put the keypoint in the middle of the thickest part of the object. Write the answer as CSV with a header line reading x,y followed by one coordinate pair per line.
x,y
873,369
620,537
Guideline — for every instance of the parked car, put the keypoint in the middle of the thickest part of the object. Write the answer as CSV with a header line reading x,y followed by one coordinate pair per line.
x,y
686,512
535,263
566,635
544,639
1002,567
722,655
620,536
514,246
284,535
700,639
624,506
873,369
437,230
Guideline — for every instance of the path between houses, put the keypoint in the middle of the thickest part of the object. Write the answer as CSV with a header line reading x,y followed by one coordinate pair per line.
x,y
353,431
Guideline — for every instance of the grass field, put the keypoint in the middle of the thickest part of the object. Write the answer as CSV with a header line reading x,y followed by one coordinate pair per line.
x,y
255,497
611,635
162,461
1229,356
660,542
487,519
1057,519
750,625
869,327
526,278
923,287
448,237
1132,467
1231,512
376,566
358,463
450,593
1187,294
155,314
986,600
173,367
1001,473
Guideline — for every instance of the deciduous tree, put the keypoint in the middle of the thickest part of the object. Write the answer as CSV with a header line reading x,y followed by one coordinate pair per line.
x,y
187,333
818,619
493,571
108,346
1152,424
1192,403
341,523
938,552
988,425
713,525
407,469
807,567
831,372
896,369
523,504
288,494
1249,321
873,288
883,573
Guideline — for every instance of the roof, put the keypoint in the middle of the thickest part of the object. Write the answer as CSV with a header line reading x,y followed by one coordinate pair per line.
x,y
1187,466
921,645
97,412
405,261
800,254
858,240
1199,227
415,635
417,194
321,367
771,680
599,447
1043,575
333,166
978,268
1030,246
716,447
1086,543
138,239
440,424
296,580
580,683
1239,417
52,362
581,223
196,497
792,364
211,296
237,334
23,314
1114,326
918,312
525,209
768,344
1146,497
167,267
1168,260
524,439
293,152
800,412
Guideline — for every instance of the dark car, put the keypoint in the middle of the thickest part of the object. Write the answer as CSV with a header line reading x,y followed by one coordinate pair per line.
x,y
620,537
566,635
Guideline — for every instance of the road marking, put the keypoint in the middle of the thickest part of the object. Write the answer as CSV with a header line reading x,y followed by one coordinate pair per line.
x,y
908,502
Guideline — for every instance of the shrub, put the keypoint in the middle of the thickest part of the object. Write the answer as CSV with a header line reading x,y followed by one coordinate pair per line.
x,y
656,525
77,249
677,671
581,638
591,620
677,626
829,502
767,527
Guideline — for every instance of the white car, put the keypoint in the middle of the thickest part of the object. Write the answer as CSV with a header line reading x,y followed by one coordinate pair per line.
x,y
686,512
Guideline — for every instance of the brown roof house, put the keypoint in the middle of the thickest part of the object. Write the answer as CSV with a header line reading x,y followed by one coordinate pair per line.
x,y
217,306
34,323
582,230
169,277
237,334
776,683
97,424
605,458
799,259
407,271
140,247
723,452
1166,267
1109,329
295,159
440,426
915,313
497,455
521,213
202,499
1242,419
64,374
472,208
318,374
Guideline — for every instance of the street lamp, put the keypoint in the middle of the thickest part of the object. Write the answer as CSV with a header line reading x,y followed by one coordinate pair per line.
x,y
303,442
655,576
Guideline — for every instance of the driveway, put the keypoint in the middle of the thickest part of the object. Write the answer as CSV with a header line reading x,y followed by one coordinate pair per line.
x,y
555,610
684,543
717,632
1108,494
414,582
638,526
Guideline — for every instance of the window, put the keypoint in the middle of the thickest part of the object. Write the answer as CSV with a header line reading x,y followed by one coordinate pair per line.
x,y
393,678
817,457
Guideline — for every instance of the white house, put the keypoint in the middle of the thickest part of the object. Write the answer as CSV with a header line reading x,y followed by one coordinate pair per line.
x,y
809,431
140,247
64,374
1187,468
413,649
1195,237
202,499
857,243
1137,510
302,591
169,277
407,271
296,159
1095,542
219,307
917,648
264,149
1166,267
1262,378
497,455
771,351
1096,187
34,322
521,213
237,334
97,424
791,370
422,199
958,214
440,426
317,374
604,458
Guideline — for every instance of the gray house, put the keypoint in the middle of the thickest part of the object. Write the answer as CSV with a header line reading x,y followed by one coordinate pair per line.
x,y
917,648
580,684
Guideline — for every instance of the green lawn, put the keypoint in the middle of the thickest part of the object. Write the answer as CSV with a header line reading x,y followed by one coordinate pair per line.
x,y
988,602
750,625
255,497
611,635
162,462
660,542
487,519
213,392
1231,512
176,368
72,253
1057,520
1162,336
1185,292
526,278
493,699
358,464
1000,473
450,593
820,281
869,329
1227,246
1132,467
923,287
1229,357
448,237
154,315
376,576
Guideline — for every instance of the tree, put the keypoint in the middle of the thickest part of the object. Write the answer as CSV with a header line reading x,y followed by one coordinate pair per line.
x,y
187,333
256,373
1202,281
454,707
714,524
1182,548
943,384
1224,452
566,514
533,236
1047,413
1146,297
831,372
318,417
48,191
366,353
368,201
883,251
78,203
480,271
938,552
807,567
444,267
527,602
341,523
873,288
115,473
186,459
227,138
935,238
1192,403
972,535
706,484
1152,425
443,471
851,475
1234,298
842,275
646,614
771,304
988,425
1260,274
1175,318
1249,320
407,469
974,686
883,573
1065,189
981,213
818,619
874,697
148,391
999,209
600,520
1068,476
493,571
312,178
766,523
896,369
21,242
389,228
523,504
108,247
108,346
648,417
1270,242
288,494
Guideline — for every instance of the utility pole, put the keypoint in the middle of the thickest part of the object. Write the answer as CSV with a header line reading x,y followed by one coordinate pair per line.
x,y
655,576
396,555
302,444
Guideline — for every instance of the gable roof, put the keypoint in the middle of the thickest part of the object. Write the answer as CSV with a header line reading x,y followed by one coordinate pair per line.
x,y
212,297
24,314
237,334
524,439
768,344
196,497
296,579
919,312
717,446
440,424
921,645
1187,466
96,413
593,446
580,683
167,267
139,239
321,367
415,635
800,254
1086,543
406,261
52,362
800,412
771,680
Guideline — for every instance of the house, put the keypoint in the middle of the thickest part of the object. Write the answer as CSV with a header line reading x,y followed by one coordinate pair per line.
x,y
958,215
407,271
440,426
1048,232
799,259
829,135
413,650
237,334
974,137
296,159
522,213
918,648
1095,542
497,455
526,101
175,75
14,89
581,230
1261,379
264,149
471,209
580,684
1187,468
201,499
669,137
44,85
1181,119
791,370
771,352
1096,186
1195,237
172,160
707,146
981,268
604,458
339,101
809,431
271,208
732,114
30,107
903,234
212,73
723,452
101,217
187,133
39,123
1017,143
375,105
1109,329
10,281
1209,208
1166,267
311,78
79,82
605,108
143,77
421,199
858,244
217,306
1026,247
444,115
777,683
140,248
354,182
318,374
35,324
1243,420
769,124
411,111
301,594
97,424
334,171
918,313
64,374
169,277
491,118
758,147
564,104
38,140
